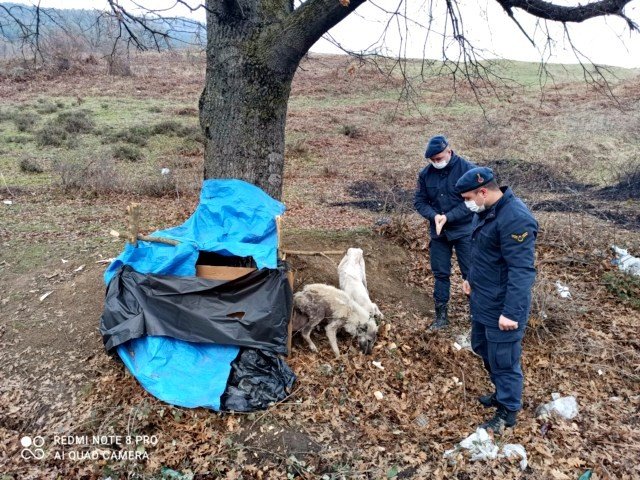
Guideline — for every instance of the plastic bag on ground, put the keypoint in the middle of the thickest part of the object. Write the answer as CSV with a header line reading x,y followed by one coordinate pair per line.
x,y
481,447
563,290
565,407
626,262
258,379
511,449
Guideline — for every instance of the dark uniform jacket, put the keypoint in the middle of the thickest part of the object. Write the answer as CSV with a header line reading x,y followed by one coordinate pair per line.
x,y
502,262
436,195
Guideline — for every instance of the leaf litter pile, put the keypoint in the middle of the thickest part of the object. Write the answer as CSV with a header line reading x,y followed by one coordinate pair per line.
x,y
395,418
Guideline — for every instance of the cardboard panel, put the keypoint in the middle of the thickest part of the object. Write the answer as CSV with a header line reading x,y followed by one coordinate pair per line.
x,y
213,272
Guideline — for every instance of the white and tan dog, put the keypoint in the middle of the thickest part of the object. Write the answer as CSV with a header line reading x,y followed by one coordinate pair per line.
x,y
353,280
317,302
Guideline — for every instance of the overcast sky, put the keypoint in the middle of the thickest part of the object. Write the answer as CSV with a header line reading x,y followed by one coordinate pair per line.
x,y
604,41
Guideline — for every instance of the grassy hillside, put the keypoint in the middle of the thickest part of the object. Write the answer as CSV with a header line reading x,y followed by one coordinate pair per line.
x,y
78,146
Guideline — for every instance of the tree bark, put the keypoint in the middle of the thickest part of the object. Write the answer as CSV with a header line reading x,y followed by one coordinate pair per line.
x,y
253,51
243,107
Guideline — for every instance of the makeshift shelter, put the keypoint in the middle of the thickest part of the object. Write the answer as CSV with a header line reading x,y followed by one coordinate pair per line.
x,y
212,340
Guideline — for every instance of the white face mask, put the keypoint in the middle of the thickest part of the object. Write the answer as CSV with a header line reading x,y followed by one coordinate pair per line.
x,y
473,206
439,165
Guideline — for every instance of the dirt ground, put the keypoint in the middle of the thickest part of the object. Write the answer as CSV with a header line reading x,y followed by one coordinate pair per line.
x,y
341,191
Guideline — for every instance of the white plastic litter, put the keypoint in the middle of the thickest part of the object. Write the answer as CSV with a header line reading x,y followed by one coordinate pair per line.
x,y
463,341
626,262
7,202
44,295
511,449
565,407
378,365
563,290
481,447
165,171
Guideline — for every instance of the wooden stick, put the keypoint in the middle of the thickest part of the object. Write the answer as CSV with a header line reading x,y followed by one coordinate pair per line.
x,y
133,223
279,234
147,238
168,241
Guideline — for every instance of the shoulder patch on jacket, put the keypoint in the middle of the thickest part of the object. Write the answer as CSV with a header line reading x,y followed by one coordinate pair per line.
x,y
519,237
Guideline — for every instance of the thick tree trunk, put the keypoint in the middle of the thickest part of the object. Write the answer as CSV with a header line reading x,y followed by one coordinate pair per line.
x,y
253,51
243,110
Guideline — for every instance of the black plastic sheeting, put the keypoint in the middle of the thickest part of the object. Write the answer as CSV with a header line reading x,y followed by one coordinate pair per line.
x,y
258,379
196,309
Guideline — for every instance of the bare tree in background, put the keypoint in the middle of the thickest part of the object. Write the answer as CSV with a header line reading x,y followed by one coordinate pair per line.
x,y
253,50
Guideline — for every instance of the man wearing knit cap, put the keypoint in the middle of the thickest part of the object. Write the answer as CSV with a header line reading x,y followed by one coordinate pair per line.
x,y
500,279
436,200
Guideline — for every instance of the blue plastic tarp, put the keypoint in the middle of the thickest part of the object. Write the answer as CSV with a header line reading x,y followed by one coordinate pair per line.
x,y
233,218
180,373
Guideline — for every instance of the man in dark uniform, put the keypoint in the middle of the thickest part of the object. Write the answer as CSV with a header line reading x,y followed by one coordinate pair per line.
x,y
436,200
500,279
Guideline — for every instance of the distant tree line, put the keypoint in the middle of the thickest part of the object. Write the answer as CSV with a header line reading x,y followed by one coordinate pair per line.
x,y
61,36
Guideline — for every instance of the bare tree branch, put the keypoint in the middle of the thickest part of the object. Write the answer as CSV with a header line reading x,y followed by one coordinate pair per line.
x,y
306,24
574,14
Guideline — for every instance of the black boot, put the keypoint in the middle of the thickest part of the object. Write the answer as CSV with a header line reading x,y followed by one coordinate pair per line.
x,y
488,400
502,418
442,320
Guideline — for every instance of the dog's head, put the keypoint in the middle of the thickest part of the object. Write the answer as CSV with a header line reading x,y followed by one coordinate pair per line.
x,y
366,334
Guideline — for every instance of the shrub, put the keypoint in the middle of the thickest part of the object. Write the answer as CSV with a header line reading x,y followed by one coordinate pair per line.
x,y
127,152
25,121
20,139
298,147
5,115
51,135
168,127
118,66
190,148
192,133
29,165
156,186
187,111
44,107
95,176
136,135
350,131
624,286
77,121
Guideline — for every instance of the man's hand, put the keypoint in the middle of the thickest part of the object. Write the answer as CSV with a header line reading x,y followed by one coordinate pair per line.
x,y
505,324
440,221
466,288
